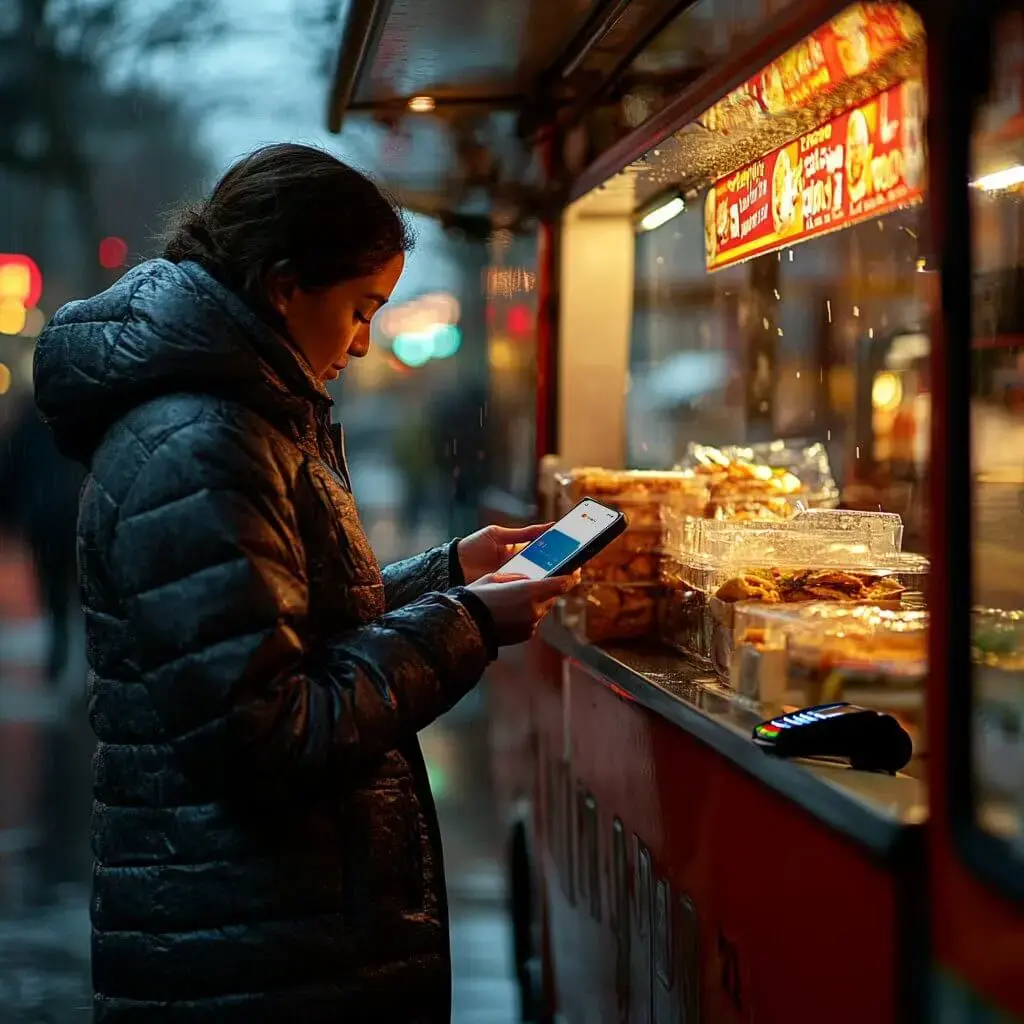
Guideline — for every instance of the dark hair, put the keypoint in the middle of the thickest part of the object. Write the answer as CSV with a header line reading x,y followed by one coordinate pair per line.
x,y
290,207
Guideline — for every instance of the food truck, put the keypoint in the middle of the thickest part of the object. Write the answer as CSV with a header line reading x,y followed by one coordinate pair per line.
x,y
772,289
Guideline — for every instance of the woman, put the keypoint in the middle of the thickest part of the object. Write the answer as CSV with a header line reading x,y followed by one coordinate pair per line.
x,y
266,844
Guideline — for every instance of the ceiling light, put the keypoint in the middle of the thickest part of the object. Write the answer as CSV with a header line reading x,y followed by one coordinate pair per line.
x,y
421,104
663,214
999,180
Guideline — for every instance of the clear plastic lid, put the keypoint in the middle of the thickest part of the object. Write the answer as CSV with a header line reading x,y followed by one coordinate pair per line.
x,y
819,555
882,532
814,537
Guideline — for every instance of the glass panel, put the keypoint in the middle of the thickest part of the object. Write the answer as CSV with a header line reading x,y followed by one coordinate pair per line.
x,y
782,289
825,340
997,448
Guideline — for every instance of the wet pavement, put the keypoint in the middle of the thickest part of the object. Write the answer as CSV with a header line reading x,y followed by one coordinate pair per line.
x,y
45,862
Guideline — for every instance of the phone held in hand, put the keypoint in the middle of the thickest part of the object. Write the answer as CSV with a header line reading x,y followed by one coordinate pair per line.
x,y
578,536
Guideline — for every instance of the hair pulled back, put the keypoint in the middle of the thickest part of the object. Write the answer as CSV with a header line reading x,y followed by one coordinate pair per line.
x,y
289,208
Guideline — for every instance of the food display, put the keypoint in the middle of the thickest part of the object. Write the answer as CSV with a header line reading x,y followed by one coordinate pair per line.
x,y
602,612
763,483
641,494
821,652
768,481
790,586
824,555
828,534
619,596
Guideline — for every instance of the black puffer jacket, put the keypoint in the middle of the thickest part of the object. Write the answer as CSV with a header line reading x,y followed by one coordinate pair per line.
x,y
266,844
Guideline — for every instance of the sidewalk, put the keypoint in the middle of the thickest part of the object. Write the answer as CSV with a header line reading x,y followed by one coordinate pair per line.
x,y
44,800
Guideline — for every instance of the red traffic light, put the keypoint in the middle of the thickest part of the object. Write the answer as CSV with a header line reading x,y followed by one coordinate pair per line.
x,y
519,321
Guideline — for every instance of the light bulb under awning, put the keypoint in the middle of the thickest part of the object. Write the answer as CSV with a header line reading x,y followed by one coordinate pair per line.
x,y
663,214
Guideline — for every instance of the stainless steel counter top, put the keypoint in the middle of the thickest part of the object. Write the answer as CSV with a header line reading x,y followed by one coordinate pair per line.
x,y
881,812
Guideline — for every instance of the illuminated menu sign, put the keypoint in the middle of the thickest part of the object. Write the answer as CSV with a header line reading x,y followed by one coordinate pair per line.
x,y
851,44
867,162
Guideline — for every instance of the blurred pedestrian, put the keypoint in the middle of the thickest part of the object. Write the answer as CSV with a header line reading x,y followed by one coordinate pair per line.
x,y
39,504
266,841
414,456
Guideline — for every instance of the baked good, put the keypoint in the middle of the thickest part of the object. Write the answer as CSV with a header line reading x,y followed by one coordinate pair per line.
x,y
789,586
619,612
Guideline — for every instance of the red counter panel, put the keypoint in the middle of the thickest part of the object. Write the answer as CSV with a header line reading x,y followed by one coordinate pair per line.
x,y
678,888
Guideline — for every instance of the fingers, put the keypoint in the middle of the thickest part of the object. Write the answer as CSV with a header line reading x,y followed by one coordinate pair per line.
x,y
503,577
553,586
519,535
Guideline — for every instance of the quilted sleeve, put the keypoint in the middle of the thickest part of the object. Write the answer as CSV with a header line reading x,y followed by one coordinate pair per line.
x,y
435,570
211,572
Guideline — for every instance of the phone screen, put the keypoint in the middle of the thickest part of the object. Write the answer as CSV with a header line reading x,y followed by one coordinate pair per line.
x,y
553,549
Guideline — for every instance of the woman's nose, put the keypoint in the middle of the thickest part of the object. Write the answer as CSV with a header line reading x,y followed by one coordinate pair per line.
x,y
360,346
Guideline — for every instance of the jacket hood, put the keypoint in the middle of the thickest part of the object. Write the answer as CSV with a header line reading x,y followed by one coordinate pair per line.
x,y
163,328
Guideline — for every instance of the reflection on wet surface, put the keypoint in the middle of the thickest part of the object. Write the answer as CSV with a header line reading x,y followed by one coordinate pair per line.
x,y
45,746
45,861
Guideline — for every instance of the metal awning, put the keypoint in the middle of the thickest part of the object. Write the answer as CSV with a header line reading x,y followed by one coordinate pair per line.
x,y
494,72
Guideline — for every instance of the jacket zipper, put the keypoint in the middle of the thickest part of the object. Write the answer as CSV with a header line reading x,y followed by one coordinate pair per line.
x,y
336,435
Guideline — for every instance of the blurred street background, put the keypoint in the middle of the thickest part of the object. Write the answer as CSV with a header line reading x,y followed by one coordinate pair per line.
x,y
113,112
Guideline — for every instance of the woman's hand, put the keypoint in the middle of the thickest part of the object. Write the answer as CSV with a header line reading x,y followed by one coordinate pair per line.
x,y
487,550
517,604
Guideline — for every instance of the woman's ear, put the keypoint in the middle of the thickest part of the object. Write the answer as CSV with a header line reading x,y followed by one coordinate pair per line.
x,y
280,283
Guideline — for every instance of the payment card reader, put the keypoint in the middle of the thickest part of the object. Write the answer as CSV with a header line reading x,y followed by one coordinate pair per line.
x,y
868,740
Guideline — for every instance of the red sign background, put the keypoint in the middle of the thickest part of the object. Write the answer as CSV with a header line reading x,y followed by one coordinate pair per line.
x,y
867,162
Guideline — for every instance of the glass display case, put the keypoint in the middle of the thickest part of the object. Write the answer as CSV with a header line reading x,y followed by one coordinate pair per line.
x,y
766,285
997,455
781,280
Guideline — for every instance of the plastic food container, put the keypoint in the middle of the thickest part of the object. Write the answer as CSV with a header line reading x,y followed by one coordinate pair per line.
x,y
646,498
821,652
818,556
640,494
828,534
658,506
763,481
605,612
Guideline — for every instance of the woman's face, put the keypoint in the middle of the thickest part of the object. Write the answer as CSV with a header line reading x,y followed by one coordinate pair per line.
x,y
332,325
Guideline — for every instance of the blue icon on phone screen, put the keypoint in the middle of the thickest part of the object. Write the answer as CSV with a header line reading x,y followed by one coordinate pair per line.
x,y
550,550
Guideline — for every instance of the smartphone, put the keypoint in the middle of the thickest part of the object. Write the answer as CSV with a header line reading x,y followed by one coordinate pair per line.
x,y
579,535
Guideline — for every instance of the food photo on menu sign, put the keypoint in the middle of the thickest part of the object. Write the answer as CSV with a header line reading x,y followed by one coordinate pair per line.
x,y
854,42
867,162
